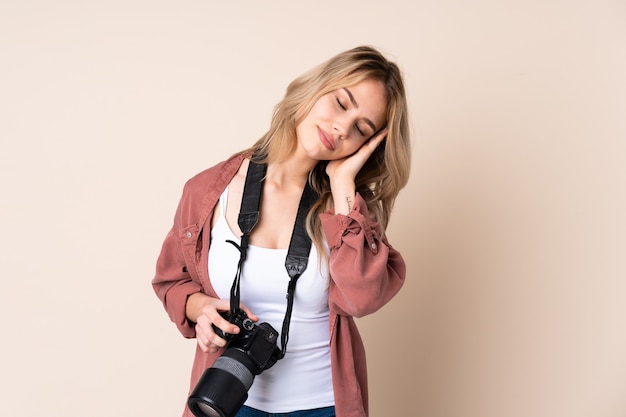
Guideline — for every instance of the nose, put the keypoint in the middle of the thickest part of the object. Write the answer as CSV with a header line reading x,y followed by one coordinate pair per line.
x,y
340,130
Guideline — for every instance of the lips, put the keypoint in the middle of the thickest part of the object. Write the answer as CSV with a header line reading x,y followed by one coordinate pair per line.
x,y
326,139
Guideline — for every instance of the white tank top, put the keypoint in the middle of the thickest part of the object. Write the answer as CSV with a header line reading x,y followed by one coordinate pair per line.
x,y
302,379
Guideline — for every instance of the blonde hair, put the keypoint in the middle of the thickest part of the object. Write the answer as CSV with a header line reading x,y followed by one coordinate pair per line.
x,y
386,172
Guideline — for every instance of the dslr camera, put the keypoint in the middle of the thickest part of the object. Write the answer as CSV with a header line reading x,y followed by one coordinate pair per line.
x,y
223,388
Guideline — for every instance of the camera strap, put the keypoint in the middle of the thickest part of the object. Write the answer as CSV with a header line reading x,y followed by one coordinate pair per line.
x,y
299,246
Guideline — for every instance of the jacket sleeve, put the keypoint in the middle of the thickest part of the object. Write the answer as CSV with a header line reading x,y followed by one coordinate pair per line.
x,y
365,270
172,282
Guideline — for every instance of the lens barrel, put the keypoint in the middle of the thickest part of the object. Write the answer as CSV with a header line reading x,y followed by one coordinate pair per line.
x,y
223,388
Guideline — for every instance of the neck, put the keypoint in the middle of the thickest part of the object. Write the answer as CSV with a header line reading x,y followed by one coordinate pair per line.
x,y
294,171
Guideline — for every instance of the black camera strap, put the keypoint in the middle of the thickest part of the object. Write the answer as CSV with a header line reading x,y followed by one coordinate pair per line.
x,y
299,246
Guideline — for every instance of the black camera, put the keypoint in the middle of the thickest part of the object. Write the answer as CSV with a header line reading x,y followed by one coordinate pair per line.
x,y
223,388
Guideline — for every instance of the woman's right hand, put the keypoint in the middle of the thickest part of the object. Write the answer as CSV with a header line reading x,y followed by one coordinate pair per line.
x,y
206,311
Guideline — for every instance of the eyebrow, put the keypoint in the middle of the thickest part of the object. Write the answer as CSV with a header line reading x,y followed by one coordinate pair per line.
x,y
356,105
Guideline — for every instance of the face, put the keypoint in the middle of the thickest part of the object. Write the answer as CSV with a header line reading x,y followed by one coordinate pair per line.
x,y
341,121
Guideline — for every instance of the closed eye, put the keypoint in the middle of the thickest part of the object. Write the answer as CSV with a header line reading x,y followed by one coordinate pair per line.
x,y
341,104
358,129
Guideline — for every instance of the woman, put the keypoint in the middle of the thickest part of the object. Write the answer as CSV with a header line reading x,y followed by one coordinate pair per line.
x,y
343,128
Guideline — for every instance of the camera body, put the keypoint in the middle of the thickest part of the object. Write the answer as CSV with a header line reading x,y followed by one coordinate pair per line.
x,y
258,341
223,388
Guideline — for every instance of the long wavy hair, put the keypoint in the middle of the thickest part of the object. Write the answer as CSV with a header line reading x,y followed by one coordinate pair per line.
x,y
387,170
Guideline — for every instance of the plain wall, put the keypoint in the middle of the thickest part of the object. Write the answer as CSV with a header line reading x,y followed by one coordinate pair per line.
x,y
512,224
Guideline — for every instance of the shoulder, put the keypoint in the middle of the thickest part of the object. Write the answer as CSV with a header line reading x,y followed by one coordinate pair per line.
x,y
228,167
216,176
202,191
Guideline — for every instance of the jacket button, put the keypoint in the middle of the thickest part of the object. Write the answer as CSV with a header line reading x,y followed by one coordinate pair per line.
x,y
189,234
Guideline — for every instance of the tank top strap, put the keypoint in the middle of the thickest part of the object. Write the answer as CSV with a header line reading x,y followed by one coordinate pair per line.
x,y
223,203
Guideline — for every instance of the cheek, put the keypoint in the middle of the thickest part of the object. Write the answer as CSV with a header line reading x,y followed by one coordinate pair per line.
x,y
352,146
324,108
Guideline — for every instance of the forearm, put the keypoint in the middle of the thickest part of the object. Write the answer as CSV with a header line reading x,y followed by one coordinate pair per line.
x,y
366,272
343,193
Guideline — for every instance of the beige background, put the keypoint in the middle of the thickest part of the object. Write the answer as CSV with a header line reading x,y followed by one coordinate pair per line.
x,y
512,224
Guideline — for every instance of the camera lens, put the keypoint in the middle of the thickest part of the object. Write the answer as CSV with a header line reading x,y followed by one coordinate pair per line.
x,y
208,411
223,388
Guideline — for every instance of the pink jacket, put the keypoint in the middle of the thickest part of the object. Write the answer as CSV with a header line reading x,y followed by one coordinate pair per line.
x,y
365,271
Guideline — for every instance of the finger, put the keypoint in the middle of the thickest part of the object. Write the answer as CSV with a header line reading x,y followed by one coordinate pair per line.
x,y
249,313
214,313
378,138
370,146
208,340
205,325
225,325
203,341
215,342
219,306
208,347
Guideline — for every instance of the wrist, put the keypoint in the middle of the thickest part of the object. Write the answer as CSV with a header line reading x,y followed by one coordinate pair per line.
x,y
195,304
343,198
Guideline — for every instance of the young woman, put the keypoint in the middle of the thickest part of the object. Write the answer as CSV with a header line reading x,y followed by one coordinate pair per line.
x,y
342,127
